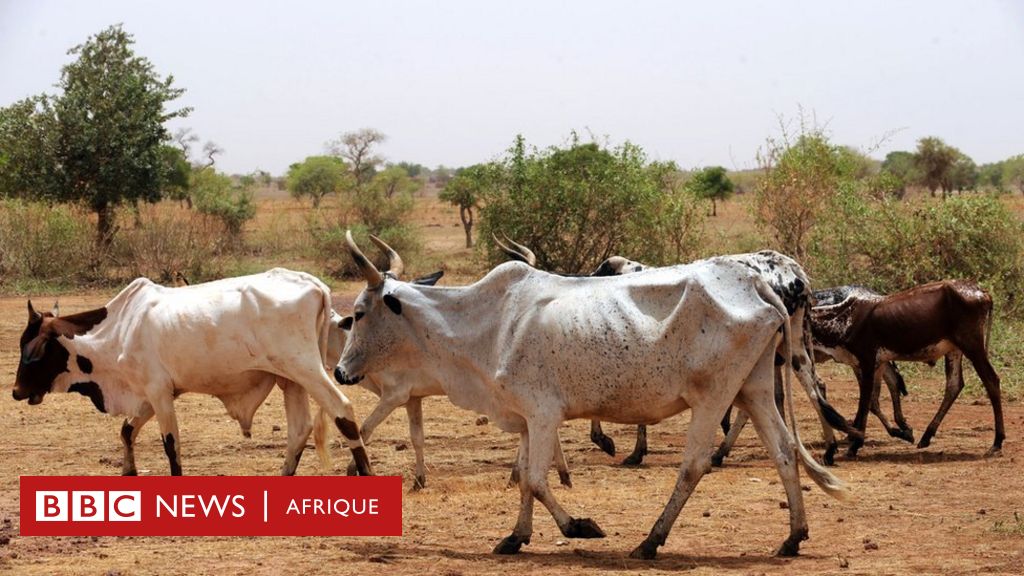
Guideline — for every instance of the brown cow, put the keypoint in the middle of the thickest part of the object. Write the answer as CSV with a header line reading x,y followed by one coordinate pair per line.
x,y
950,319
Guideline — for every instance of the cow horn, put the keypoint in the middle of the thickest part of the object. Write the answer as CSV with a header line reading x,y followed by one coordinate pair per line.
x,y
32,314
373,276
395,264
530,257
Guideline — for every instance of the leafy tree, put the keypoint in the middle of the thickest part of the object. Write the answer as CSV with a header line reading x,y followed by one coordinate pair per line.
x,y
991,175
464,192
902,166
1013,172
385,200
318,176
27,145
411,169
934,162
111,118
963,175
357,148
713,184
178,171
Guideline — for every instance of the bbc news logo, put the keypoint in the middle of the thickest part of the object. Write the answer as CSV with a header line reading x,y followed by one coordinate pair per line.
x,y
89,506
211,506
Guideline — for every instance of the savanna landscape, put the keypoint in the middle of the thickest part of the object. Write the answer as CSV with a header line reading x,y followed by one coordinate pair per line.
x,y
103,182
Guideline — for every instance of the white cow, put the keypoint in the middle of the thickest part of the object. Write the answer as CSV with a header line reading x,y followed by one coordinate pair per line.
x,y
530,349
232,339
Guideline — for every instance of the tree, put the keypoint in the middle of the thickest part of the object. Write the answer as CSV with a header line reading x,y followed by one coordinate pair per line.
x,y
357,148
27,144
902,166
111,119
177,182
1013,172
711,183
215,194
385,200
464,191
318,176
991,175
963,175
934,162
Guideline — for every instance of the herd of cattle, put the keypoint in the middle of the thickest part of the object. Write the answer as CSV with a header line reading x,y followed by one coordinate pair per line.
x,y
529,349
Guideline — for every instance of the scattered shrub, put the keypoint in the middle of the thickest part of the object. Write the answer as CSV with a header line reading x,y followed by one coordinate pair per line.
x,y
47,242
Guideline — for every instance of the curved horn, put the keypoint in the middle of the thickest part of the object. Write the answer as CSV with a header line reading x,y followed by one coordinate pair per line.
x,y
511,252
395,264
531,258
373,276
32,314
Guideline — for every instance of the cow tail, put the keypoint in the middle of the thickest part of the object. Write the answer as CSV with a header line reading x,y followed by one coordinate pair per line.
x,y
320,427
324,323
827,481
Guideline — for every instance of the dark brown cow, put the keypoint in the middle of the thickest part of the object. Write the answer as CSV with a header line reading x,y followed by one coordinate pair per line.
x,y
950,319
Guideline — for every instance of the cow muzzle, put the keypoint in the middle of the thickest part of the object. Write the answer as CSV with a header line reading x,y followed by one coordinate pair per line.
x,y
344,378
33,399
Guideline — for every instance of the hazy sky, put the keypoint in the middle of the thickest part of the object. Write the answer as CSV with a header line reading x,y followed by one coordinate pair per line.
x,y
453,82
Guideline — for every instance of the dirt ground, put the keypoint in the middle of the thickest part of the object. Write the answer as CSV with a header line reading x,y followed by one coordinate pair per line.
x,y
946,509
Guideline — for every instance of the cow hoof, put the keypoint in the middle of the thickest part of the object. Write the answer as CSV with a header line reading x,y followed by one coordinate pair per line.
x,y
583,528
904,435
130,473
563,478
634,459
717,458
511,544
419,483
606,444
926,441
829,458
851,452
789,548
352,470
645,551
994,452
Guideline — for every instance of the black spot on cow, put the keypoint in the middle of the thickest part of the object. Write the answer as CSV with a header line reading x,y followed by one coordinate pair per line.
x,y
84,364
779,360
605,269
348,428
796,363
92,391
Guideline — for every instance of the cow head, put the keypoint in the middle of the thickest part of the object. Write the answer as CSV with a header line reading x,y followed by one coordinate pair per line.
x,y
43,356
377,332
617,265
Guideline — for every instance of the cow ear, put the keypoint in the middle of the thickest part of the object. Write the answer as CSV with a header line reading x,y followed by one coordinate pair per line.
x,y
393,303
77,324
34,350
346,323
430,279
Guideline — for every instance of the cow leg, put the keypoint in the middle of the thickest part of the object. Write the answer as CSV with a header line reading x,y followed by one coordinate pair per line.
x,y
385,406
730,439
561,465
979,359
876,409
954,384
597,437
897,388
320,385
828,417
414,410
866,383
543,443
782,450
696,463
163,406
640,450
727,421
300,424
129,432
512,543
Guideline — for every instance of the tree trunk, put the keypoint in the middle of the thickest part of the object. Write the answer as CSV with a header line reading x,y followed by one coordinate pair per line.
x,y
714,207
466,215
104,224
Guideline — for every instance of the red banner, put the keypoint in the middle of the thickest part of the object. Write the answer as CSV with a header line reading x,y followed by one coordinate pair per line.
x,y
211,506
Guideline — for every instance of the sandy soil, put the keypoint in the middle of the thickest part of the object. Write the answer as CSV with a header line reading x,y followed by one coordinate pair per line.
x,y
944,510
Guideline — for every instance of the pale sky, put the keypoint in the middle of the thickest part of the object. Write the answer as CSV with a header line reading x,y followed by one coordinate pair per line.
x,y
453,82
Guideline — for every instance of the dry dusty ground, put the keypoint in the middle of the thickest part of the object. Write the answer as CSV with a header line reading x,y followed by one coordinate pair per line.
x,y
941,510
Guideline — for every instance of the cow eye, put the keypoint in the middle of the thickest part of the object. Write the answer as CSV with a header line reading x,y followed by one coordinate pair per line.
x,y
359,315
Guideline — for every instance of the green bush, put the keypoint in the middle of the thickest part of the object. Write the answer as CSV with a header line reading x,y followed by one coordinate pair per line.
x,y
891,245
578,205
329,250
215,194
46,242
